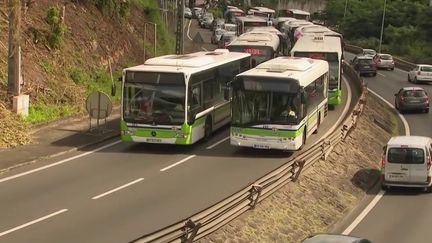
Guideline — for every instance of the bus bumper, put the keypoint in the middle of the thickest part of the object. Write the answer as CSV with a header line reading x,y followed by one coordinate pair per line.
x,y
270,143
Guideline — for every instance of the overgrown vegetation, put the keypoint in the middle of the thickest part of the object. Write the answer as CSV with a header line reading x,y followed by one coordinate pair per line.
x,y
120,8
407,26
55,37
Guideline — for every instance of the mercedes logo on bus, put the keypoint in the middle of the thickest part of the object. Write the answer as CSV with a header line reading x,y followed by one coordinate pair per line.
x,y
153,133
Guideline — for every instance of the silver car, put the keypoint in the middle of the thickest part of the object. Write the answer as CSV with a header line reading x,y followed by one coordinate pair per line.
x,y
384,61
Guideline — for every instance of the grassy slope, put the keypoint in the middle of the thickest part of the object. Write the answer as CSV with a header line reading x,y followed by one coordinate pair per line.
x,y
58,81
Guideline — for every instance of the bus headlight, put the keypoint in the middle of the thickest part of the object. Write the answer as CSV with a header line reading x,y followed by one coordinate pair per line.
x,y
181,135
127,133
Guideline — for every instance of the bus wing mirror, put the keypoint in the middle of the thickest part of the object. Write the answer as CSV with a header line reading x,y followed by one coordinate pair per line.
x,y
191,119
113,89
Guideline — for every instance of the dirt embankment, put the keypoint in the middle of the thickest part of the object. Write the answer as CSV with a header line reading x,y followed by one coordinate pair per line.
x,y
325,193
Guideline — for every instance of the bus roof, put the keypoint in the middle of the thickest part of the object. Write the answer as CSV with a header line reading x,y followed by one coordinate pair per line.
x,y
305,70
312,28
264,9
318,43
250,18
189,63
298,11
257,38
266,29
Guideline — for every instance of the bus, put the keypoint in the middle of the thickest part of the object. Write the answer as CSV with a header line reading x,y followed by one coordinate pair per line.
x,y
262,12
279,103
327,48
262,46
289,27
246,22
294,13
179,99
284,46
231,14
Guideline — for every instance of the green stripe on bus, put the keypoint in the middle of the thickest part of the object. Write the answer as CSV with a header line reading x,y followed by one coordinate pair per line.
x,y
334,97
269,133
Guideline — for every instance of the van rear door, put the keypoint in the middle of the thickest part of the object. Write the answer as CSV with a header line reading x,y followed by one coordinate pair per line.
x,y
396,169
418,170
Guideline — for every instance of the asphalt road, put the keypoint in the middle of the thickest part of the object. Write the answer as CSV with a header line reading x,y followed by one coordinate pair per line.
x,y
123,191
402,215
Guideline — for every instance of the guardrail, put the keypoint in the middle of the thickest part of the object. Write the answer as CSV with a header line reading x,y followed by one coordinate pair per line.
x,y
399,63
212,218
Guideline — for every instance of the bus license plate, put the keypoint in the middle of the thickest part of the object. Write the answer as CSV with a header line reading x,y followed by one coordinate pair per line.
x,y
154,140
261,146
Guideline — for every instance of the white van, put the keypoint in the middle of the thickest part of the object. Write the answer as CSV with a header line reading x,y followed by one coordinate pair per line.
x,y
406,162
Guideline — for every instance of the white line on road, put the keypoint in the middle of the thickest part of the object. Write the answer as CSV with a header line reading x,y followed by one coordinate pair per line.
x,y
374,201
217,143
187,34
363,214
58,163
381,74
404,121
204,49
177,163
117,189
32,222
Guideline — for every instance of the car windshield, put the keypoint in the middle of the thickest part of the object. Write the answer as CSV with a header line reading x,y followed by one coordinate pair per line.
x,y
369,52
154,98
405,156
365,61
386,57
414,93
426,69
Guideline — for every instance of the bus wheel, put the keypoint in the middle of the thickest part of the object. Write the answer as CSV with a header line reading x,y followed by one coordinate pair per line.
x,y
208,128
318,123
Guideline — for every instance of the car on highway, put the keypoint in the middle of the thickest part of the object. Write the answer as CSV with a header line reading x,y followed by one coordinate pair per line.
x,y
384,61
406,162
217,24
421,73
196,12
226,39
217,34
412,98
364,65
187,13
334,238
369,52
206,20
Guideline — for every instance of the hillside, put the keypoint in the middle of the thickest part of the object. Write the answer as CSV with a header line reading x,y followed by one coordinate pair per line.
x,y
58,79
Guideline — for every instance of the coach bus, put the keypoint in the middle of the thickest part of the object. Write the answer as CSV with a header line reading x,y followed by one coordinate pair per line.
x,y
179,99
294,13
246,22
327,48
279,103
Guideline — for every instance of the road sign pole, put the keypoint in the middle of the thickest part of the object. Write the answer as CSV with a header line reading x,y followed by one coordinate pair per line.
x,y
180,27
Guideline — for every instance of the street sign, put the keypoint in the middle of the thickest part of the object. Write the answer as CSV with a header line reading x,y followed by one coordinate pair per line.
x,y
98,105
198,39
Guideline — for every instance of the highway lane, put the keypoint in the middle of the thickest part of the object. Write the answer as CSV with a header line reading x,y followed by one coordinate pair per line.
x,y
120,193
159,199
402,215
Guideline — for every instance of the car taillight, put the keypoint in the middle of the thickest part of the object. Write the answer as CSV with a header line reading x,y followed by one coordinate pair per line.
x,y
418,73
429,164
392,62
427,99
402,98
382,163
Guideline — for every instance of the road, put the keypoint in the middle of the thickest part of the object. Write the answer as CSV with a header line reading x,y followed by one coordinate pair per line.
x,y
119,192
402,215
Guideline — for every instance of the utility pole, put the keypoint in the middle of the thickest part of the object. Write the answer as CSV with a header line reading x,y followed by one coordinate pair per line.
x,y
382,26
179,28
14,61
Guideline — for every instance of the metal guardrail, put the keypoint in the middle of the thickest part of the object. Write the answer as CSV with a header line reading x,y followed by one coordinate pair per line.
x,y
399,63
214,217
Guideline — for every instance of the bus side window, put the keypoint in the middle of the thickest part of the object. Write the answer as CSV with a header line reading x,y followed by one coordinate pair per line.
x,y
195,99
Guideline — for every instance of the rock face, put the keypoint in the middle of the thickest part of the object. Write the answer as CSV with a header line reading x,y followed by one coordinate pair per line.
x,y
324,193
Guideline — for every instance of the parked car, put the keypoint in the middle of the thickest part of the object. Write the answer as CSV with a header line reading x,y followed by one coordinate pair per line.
x,y
406,162
412,98
187,13
217,34
207,21
334,238
369,52
364,65
421,73
217,24
196,12
384,61
226,39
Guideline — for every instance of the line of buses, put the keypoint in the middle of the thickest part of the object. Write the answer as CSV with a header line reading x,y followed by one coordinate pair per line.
x,y
274,86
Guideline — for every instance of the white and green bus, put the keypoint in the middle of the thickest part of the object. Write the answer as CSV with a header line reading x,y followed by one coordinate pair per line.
x,y
179,99
279,104
262,45
328,48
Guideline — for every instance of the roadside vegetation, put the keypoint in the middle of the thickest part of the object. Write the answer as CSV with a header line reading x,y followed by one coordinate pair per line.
x,y
407,26
67,47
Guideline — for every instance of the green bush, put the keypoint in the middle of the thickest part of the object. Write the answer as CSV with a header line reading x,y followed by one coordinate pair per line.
x,y
55,37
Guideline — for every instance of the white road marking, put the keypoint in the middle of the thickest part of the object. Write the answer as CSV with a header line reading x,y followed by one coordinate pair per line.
x,y
363,214
374,201
187,34
58,163
32,222
204,49
117,189
404,121
381,74
217,143
177,163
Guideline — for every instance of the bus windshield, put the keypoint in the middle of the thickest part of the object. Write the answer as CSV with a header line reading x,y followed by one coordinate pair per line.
x,y
259,53
248,25
333,61
154,98
265,101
